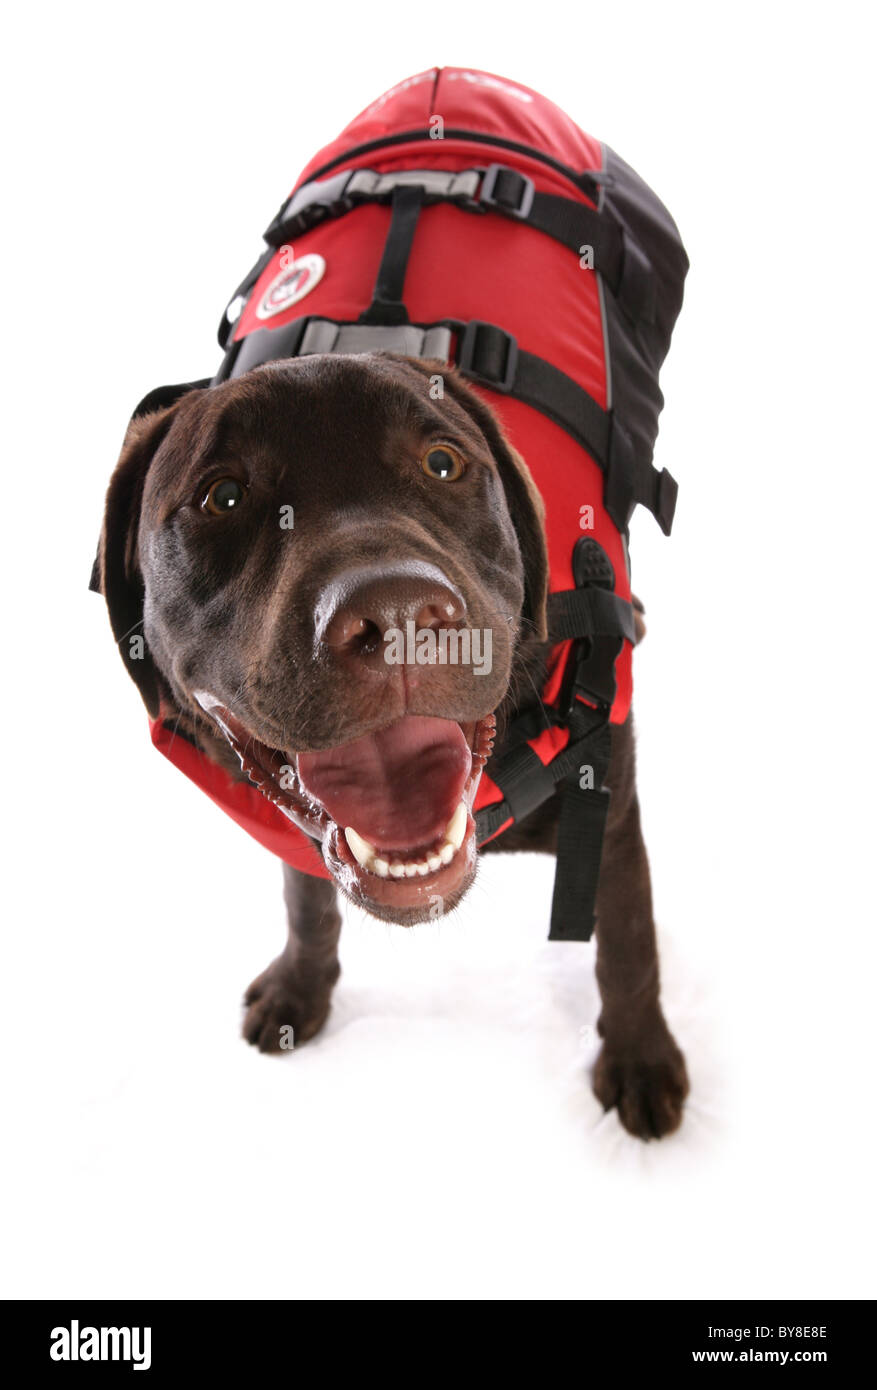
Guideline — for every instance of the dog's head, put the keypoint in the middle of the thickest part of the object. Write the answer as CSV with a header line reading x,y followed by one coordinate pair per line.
x,y
338,569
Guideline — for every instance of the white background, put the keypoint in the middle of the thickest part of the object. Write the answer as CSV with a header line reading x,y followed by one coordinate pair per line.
x,y
440,1139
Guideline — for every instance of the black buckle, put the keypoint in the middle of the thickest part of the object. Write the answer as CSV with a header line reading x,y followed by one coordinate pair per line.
x,y
593,680
309,205
524,188
470,354
260,346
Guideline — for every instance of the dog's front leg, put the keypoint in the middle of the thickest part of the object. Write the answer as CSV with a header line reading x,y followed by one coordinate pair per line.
x,y
289,1002
640,1069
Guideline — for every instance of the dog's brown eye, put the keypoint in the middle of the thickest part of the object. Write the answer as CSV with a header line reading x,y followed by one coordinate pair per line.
x,y
222,497
442,463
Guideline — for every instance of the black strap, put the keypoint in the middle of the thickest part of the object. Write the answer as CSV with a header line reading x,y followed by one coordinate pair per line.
x,y
387,306
589,726
589,181
262,345
598,620
497,188
489,355
550,390
321,200
582,229
525,781
304,337
589,612
489,820
580,830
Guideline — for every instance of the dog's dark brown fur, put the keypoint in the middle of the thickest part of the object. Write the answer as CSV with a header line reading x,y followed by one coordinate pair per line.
x,y
235,607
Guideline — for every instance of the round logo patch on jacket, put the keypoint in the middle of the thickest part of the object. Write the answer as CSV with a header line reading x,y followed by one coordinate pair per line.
x,y
292,284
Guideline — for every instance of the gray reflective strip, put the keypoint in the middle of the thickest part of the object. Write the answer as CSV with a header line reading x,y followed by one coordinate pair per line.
x,y
436,343
365,183
327,192
436,182
407,338
319,336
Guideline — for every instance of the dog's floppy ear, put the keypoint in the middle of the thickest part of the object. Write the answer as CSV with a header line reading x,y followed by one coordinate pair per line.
x,y
118,571
524,500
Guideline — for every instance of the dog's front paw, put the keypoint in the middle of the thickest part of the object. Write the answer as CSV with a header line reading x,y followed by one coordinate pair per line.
x,y
646,1084
286,1006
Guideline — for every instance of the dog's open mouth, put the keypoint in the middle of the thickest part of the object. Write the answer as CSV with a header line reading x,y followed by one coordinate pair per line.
x,y
393,810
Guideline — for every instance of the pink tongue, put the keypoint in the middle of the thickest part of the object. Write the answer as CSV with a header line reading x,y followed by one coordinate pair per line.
x,y
397,788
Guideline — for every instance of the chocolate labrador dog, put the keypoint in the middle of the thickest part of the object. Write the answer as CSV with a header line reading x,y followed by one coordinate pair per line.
x,y
267,645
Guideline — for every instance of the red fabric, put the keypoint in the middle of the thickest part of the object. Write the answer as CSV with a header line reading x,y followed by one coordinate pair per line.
x,y
469,99
240,800
467,267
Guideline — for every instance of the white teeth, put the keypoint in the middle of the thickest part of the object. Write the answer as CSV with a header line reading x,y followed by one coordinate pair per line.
x,y
367,856
456,830
361,850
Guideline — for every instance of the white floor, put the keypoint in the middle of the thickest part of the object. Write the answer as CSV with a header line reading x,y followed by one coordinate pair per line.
x,y
440,1138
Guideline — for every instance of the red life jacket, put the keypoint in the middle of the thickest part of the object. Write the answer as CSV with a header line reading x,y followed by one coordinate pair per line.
x,y
465,217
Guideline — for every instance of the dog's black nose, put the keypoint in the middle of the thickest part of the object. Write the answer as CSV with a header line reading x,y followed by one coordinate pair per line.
x,y
372,617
